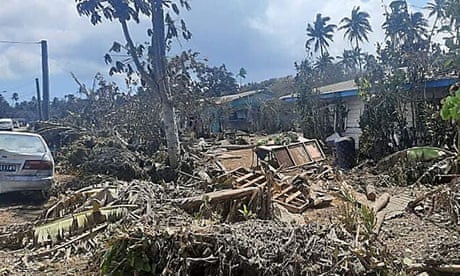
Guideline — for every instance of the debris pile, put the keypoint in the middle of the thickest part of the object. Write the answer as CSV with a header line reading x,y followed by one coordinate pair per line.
x,y
255,247
236,210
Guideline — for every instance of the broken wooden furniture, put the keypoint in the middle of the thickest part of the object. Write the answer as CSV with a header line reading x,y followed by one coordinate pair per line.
x,y
302,154
295,197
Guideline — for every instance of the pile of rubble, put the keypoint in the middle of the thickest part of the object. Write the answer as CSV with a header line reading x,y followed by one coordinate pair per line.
x,y
230,210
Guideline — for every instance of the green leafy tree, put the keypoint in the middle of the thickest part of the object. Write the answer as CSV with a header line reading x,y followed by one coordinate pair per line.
x,y
320,33
314,117
451,109
217,81
147,61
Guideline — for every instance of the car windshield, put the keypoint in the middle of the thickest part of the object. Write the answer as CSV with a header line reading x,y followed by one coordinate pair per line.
x,y
21,143
5,124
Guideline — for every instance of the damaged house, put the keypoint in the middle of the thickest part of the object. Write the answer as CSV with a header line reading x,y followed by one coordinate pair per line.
x,y
238,111
345,96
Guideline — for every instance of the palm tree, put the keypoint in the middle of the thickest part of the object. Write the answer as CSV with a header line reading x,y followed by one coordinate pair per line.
x,y
357,27
320,33
323,64
453,14
348,61
396,22
416,30
15,97
437,9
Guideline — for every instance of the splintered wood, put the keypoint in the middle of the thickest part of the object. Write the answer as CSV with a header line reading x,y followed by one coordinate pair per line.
x,y
294,198
244,178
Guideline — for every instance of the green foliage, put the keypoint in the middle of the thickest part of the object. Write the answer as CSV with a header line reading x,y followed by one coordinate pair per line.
x,y
348,216
368,218
352,214
127,256
451,107
247,213
314,114
451,110
424,153
383,116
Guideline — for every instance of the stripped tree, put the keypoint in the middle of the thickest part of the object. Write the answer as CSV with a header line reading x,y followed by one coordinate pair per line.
x,y
149,65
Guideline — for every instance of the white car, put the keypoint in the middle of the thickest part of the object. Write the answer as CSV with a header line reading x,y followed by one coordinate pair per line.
x,y
26,163
6,124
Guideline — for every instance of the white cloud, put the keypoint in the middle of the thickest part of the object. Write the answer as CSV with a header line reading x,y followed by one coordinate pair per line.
x,y
285,23
265,37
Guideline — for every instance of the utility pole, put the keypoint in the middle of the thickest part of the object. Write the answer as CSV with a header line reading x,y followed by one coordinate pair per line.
x,y
45,82
39,103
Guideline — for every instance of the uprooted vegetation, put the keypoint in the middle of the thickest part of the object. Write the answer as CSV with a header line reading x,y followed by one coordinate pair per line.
x,y
207,219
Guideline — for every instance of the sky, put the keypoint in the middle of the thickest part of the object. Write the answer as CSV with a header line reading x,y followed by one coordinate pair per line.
x,y
266,37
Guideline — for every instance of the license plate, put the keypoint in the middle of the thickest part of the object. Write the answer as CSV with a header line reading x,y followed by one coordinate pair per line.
x,y
7,168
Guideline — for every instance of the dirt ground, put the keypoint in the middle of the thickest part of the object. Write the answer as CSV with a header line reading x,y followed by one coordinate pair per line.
x,y
406,235
17,209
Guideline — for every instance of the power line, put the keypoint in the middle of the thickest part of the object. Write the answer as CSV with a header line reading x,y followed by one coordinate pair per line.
x,y
18,42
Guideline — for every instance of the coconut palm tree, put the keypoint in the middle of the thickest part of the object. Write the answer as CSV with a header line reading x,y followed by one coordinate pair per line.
x,y
438,9
357,27
396,22
453,14
323,64
349,60
15,97
320,33
417,28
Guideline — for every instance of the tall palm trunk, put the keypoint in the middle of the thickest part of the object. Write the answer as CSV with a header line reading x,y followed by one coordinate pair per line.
x,y
359,58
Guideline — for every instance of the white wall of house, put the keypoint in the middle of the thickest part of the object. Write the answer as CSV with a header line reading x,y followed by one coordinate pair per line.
x,y
355,107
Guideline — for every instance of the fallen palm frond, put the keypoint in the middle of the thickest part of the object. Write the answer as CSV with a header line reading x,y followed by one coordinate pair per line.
x,y
254,247
71,203
76,223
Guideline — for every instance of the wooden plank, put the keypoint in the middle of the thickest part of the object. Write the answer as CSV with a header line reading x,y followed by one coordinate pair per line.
x,y
231,172
194,203
244,177
283,192
293,196
292,208
253,181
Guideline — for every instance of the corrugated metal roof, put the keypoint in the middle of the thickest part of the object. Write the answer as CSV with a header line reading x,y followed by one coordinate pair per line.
x,y
231,98
337,87
344,86
350,88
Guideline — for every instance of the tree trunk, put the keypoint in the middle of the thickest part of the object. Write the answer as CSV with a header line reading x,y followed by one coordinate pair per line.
x,y
160,77
171,131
